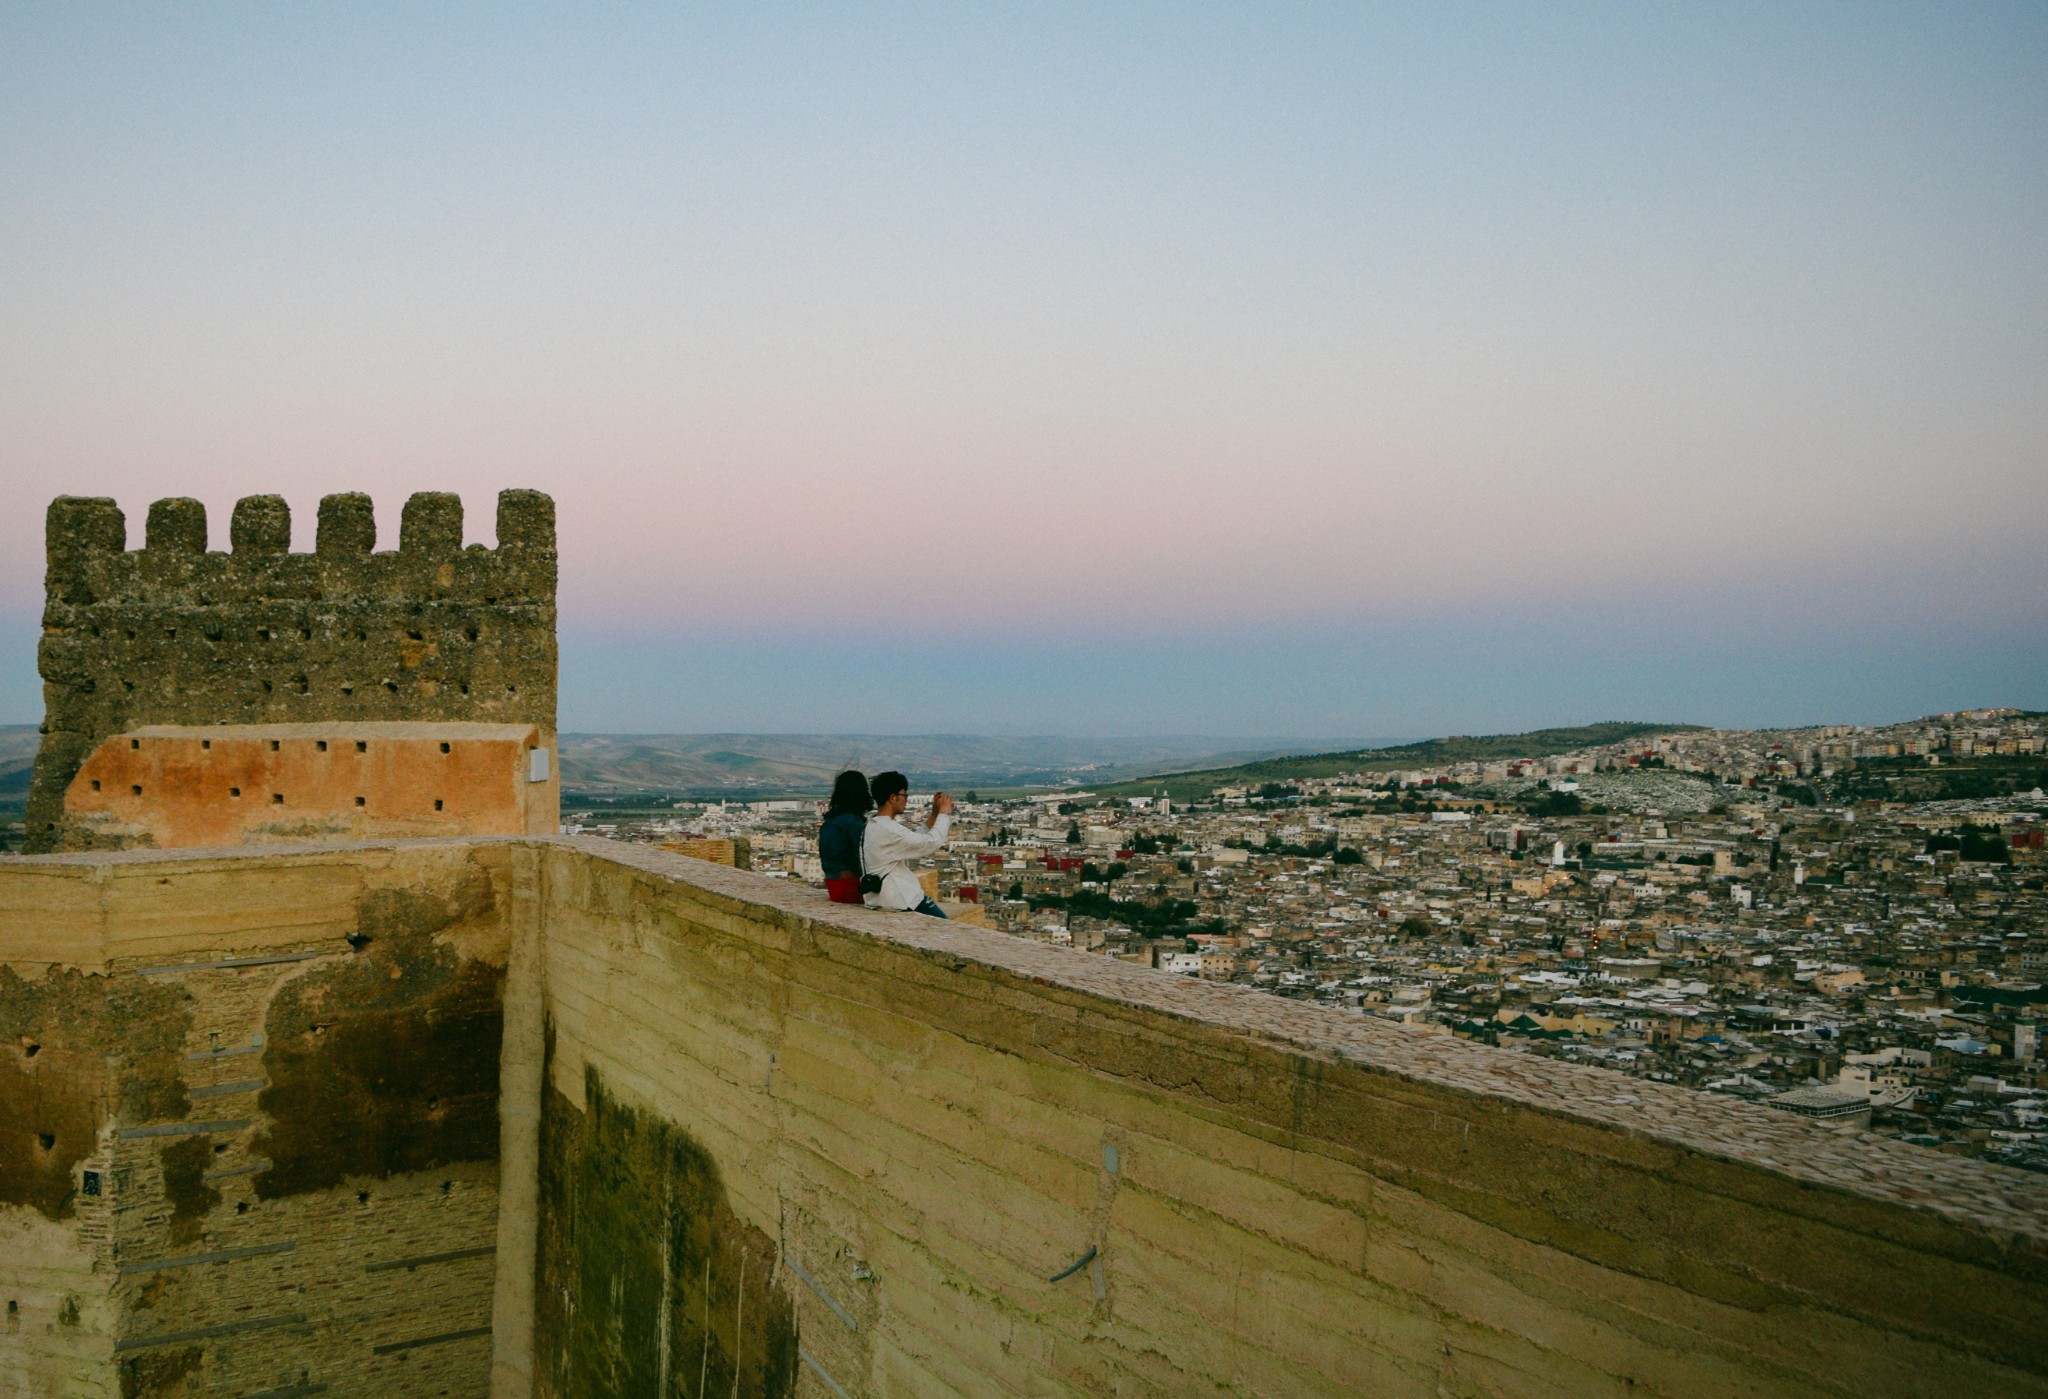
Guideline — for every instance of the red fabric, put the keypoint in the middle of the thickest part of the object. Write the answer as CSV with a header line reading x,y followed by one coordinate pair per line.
x,y
844,891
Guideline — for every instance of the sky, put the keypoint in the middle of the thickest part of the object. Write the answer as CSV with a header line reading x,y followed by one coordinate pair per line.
x,y
1279,370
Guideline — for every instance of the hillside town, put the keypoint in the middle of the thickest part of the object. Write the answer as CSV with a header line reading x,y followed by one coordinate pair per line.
x,y
1846,923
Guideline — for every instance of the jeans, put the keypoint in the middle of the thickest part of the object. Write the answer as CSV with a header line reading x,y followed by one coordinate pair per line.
x,y
925,905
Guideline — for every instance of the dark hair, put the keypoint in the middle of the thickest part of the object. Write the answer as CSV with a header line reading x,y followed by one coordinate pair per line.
x,y
849,794
887,785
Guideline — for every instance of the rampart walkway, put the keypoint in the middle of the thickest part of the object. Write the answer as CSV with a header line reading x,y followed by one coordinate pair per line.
x,y
560,1116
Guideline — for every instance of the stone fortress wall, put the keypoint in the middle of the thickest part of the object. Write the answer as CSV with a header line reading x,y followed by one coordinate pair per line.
x,y
561,1117
174,634
915,1130
249,1121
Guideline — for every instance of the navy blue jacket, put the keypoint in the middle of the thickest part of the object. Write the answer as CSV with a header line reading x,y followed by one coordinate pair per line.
x,y
839,844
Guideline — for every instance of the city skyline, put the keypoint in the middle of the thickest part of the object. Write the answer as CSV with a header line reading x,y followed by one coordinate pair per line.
x,y
1122,371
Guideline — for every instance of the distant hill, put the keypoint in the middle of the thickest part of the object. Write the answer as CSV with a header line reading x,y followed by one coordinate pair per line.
x,y
764,765
760,765
743,766
18,744
1434,752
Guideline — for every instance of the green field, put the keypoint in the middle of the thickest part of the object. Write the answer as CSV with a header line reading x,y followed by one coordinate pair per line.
x,y
1434,752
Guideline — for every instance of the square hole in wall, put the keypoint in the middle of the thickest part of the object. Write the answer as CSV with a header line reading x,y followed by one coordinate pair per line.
x,y
277,799
274,745
437,801
134,743
136,790
95,784
444,748
234,791
359,801
206,743
362,746
321,744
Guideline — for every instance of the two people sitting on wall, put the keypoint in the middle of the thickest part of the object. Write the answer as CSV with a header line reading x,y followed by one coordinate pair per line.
x,y
869,859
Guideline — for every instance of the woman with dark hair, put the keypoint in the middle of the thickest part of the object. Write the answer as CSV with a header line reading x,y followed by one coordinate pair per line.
x,y
839,838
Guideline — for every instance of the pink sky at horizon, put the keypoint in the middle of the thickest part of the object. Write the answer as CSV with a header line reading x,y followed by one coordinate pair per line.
x,y
1079,323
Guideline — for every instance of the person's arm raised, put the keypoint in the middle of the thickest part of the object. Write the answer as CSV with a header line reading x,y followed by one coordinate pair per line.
x,y
895,842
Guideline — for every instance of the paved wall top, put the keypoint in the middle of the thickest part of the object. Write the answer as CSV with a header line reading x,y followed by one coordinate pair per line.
x,y
2009,1206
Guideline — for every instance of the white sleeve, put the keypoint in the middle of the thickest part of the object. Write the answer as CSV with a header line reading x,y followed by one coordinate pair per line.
x,y
893,843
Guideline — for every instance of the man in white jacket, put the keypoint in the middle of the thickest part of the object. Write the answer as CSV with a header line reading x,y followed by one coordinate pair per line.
x,y
889,846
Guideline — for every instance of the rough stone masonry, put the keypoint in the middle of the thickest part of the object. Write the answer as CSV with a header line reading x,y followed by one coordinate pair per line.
x,y
173,633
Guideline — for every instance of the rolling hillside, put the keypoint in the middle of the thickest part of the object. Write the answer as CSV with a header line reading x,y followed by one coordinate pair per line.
x,y
755,765
1434,752
18,744
760,765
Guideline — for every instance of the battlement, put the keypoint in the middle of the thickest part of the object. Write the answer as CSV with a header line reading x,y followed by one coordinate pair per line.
x,y
87,540
175,633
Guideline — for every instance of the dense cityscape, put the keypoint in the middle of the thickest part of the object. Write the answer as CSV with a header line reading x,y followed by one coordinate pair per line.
x,y
1848,923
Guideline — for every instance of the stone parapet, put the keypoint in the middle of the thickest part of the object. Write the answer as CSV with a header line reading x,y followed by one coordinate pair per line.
x,y
758,1137
1279,1197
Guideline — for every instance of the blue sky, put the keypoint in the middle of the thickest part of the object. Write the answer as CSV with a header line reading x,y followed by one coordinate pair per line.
x,y
1278,370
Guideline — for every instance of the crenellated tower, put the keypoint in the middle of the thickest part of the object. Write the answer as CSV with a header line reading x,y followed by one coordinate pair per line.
x,y
172,634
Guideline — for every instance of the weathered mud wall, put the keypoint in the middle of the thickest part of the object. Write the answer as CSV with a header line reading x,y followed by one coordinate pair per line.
x,y
269,1093
648,1282
181,786
174,634
76,1049
934,1123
